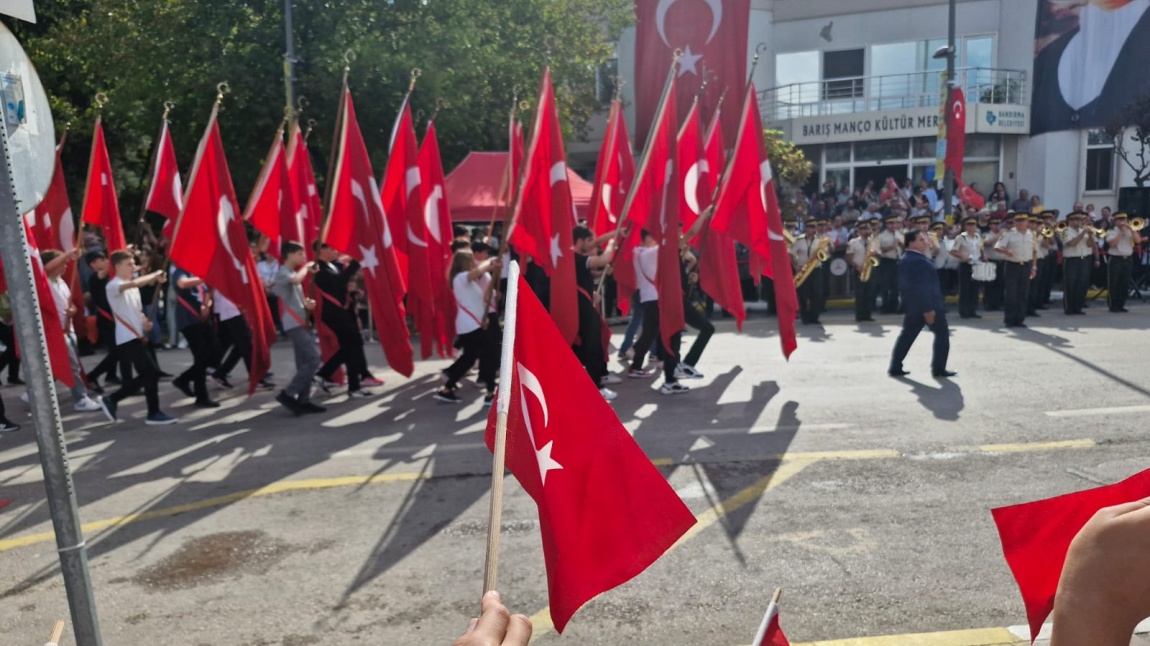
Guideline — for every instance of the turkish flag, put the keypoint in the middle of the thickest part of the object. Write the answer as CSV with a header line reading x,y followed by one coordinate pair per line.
x,y
605,512
956,132
437,218
713,37
968,196
616,172
748,210
357,226
53,332
304,227
718,265
544,215
165,193
101,206
272,202
770,634
211,242
1036,536
656,207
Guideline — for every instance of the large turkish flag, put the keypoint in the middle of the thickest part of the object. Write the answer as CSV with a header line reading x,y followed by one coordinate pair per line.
x,y
713,37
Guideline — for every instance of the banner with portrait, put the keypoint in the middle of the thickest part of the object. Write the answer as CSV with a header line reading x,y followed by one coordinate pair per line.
x,y
1090,62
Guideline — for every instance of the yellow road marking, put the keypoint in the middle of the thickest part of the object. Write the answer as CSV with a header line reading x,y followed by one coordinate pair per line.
x,y
541,623
279,487
978,637
1029,446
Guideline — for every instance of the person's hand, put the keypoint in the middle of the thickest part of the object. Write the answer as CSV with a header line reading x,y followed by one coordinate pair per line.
x,y
313,267
161,277
309,304
76,253
496,626
147,325
1105,586
1033,272
929,317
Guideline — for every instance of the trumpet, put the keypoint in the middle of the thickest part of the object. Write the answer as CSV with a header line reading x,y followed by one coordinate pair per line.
x,y
820,256
1137,224
1061,227
1046,232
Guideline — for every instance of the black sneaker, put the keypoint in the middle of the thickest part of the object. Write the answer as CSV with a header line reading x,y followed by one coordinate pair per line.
x,y
159,418
94,386
309,407
8,427
109,408
184,387
447,396
222,381
207,403
289,402
264,384
15,381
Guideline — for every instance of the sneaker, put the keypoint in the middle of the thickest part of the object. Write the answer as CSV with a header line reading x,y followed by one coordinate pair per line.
x,y
654,364
309,407
687,371
184,387
372,381
324,385
8,427
447,396
673,388
207,403
639,373
109,407
264,384
94,386
488,400
608,394
289,402
15,381
610,379
159,419
166,375
86,405
183,345
360,394
221,380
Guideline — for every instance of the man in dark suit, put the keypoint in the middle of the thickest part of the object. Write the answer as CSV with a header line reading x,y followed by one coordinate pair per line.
x,y
923,306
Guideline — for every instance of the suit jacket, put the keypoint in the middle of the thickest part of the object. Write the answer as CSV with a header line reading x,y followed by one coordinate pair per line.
x,y
332,279
918,283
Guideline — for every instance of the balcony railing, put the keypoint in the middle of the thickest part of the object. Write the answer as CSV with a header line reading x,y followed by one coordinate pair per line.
x,y
890,92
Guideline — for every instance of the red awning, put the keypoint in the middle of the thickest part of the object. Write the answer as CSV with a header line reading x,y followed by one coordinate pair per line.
x,y
473,188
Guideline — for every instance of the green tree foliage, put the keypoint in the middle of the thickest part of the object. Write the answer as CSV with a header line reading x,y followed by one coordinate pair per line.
x,y
791,168
473,54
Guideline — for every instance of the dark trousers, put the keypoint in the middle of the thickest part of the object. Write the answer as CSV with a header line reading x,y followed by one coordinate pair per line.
x,y
1047,286
1016,297
590,346
912,324
1038,285
995,290
147,375
236,341
888,284
350,353
1075,280
1118,282
811,298
106,336
967,291
864,297
767,293
694,318
475,346
9,357
649,336
200,341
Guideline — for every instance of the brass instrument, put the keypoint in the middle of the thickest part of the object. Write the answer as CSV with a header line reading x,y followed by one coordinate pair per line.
x,y
872,254
1137,224
789,237
1061,227
1096,231
1046,232
821,254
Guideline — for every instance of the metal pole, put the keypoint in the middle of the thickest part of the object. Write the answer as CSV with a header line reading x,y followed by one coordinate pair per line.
x,y
29,329
289,57
948,189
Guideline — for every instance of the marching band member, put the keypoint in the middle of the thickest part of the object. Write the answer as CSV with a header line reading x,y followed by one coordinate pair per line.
x,y
1121,240
993,292
1021,266
810,293
1077,262
861,251
968,249
890,248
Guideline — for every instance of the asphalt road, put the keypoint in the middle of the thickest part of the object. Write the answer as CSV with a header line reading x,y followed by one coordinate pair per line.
x,y
866,498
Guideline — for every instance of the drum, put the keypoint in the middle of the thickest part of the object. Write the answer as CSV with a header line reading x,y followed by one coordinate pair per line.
x,y
983,272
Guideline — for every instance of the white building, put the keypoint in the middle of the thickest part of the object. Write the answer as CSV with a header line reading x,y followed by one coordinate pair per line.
x,y
855,84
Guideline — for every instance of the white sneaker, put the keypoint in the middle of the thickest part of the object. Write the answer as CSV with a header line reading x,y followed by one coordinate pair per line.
x,y
86,405
608,394
674,388
610,379
687,371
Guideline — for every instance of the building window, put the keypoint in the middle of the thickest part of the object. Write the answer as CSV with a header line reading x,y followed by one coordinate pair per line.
x,y
842,74
1099,161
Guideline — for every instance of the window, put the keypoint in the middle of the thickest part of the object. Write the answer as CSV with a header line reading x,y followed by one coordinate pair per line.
x,y
838,153
839,177
925,147
1099,161
979,51
797,67
982,146
842,74
892,75
886,150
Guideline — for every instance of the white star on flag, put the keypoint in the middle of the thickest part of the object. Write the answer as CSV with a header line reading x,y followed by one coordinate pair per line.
x,y
556,252
370,261
546,462
688,62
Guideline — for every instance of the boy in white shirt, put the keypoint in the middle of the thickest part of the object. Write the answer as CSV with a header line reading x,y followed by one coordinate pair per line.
x,y
55,262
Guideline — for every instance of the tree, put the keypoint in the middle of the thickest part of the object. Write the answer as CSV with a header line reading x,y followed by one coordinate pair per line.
x,y
791,168
1132,126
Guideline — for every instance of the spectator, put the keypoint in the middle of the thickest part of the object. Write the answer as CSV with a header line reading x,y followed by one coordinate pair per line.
x,y
1022,204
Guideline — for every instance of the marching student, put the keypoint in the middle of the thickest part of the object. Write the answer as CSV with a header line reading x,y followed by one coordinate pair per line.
x,y
470,282
123,293
590,347
692,316
193,320
288,290
236,342
55,262
646,267
5,425
332,279
105,325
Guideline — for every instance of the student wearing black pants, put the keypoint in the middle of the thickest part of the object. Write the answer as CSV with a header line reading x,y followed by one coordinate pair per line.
x,y
688,278
646,262
470,282
192,319
332,279
9,358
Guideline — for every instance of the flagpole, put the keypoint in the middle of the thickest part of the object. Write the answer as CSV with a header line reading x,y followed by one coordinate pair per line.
x,y
491,566
101,99
151,176
261,181
336,146
772,612
505,185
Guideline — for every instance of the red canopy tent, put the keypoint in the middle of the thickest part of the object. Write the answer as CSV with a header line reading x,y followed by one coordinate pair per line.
x,y
473,188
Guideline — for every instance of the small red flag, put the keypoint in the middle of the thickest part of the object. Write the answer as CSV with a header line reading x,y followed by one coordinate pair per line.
x,y
718,265
166,192
968,196
889,190
272,202
1036,536
357,226
770,633
438,228
605,512
101,207
210,242
616,172
956,133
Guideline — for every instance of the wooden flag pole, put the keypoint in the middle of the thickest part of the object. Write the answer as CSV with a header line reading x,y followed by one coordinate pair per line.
x,y
491,567
151,176
57,633
336,146
772,612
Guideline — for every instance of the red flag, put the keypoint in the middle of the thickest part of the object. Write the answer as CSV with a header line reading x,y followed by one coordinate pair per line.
x,y
956,133
713,37
437,218
605,514
210,242
770,633
165,193
53,331
357,226
101,206
55,228
304,227
272,202
1036,536
656,207
748,210
718,265
615,173
968,196
889,190
544,214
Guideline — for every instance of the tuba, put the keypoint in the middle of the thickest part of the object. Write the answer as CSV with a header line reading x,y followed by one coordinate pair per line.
x,y
872,254
820,256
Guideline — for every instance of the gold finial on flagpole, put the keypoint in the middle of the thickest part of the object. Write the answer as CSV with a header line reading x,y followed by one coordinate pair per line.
x,y
310,126
301,104
101,99
222,88
762,47
168,105
415,74
439,105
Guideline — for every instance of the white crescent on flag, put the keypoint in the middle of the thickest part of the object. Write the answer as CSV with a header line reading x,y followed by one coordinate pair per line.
x,y
529,383
665,5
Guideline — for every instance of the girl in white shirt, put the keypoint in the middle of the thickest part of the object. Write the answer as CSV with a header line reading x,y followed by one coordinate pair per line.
x,y
470,282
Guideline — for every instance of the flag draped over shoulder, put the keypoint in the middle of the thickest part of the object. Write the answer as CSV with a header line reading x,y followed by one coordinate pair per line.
x,y
210,242
101,206
605,512
357,226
